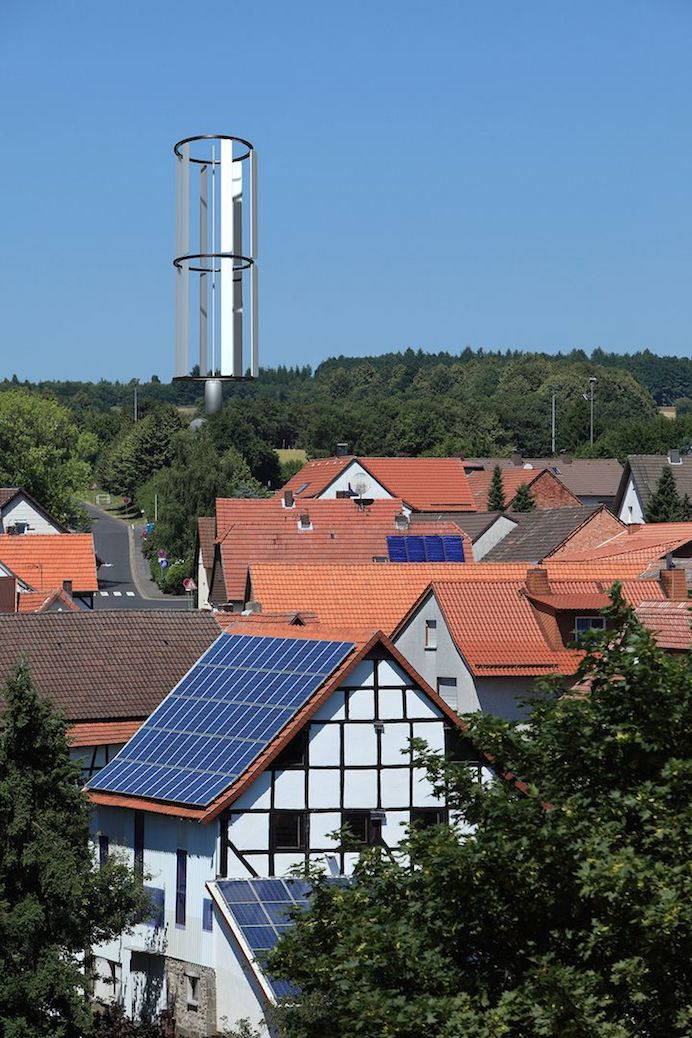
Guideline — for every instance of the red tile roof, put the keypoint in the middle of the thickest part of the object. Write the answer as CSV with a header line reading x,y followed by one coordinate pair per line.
x,y
670,623
340,531
101,733
496,630
643,544
44,560
41,601
380,595
512,479
425,484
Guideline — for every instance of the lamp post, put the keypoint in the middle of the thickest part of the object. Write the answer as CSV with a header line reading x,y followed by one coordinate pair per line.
x,y
589,396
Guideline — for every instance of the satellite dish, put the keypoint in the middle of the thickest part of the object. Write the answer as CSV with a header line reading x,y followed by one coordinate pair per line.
x,y
361,485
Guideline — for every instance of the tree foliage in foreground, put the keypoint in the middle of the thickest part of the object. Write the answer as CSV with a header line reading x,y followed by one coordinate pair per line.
x,y
567,913
665,504
53,903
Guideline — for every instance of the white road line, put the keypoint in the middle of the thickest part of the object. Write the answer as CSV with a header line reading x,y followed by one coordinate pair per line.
x,y
130,594
103,594
117,594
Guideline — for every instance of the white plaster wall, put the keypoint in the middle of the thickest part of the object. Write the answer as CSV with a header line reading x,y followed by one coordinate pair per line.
x,y
631,508
202,584
20,510
351,473
492,536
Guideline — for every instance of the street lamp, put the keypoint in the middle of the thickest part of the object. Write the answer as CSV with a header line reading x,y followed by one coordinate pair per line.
x,y
589,396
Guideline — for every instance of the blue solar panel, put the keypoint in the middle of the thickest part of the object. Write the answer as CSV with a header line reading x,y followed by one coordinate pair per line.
x,y
433,548
220,717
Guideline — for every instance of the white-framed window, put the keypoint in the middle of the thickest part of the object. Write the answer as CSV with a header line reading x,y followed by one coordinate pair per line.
x,y
582,624
447,688
431,634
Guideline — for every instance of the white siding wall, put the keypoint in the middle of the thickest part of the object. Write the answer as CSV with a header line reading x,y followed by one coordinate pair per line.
x,y
492,536
202,584
631,508
19,510
351,473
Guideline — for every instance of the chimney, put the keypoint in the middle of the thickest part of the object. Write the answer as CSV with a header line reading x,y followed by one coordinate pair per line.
x,y
305,523
289,500
342,450
516,458
67,587
566,456
401,522
674,582
674,457
8,595
536,582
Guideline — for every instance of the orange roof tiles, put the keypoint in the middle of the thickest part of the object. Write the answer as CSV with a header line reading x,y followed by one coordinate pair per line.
x,y
44,560
670,623
512,479
424,484
339,531
39,601
641,545
101,733
496,630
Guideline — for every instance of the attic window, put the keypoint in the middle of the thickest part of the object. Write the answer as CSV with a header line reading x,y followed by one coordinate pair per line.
x,y
582,624
431,634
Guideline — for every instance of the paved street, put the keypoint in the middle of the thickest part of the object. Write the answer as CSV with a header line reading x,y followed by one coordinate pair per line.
x,y
117,588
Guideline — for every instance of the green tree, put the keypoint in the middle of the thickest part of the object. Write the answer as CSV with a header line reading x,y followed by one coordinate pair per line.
x,y
559,910
523,500
665,504
496,494
40,451
146,448
53,903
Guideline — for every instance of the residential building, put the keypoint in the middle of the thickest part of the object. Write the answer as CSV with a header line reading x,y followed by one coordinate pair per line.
x,y
106,671
546,488
276,750
422,484
43,562
21,513
204,553
640,478
594,481
670,622
17,597
539,535
345,530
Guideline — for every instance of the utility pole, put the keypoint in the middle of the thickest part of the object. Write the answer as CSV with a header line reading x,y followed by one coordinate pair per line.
x,y
552,425
592,386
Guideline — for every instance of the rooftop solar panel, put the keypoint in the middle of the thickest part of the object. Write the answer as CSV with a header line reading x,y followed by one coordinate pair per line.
x,y
427,548
262,910
220,717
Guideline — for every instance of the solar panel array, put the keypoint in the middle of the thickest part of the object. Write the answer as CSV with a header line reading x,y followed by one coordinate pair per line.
x,y
220,717
432,548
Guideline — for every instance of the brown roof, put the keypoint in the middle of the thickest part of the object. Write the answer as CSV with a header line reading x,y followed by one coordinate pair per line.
x,y
512,479
206,532
106,665
6,495
585,477
646,471
539,533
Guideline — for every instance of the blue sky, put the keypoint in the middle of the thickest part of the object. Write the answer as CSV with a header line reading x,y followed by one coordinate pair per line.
x,y
434,174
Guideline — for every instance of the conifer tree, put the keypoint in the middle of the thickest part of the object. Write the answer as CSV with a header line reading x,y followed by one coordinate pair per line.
x,y
496,494
54,903
523,501
686,509
665,504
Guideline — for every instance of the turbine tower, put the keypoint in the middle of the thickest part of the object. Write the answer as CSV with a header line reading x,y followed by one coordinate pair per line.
x,y
216,175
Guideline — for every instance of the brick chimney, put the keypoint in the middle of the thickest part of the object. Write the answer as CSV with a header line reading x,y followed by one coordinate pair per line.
x,y
674,583
536,582
8,595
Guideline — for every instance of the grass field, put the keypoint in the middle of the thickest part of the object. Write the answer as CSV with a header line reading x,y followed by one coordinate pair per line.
x,y
291,454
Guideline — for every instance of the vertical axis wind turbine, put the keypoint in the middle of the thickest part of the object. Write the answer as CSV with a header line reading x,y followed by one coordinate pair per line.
x,y
219,173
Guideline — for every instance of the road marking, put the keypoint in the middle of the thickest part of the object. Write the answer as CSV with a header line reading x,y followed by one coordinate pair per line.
x,y
130,594
118,594
103,594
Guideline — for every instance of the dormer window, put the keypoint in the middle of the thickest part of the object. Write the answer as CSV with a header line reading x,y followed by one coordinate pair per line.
x,y
583,624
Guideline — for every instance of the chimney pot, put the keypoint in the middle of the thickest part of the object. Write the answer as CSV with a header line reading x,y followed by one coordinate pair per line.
x,y
537,582
674,584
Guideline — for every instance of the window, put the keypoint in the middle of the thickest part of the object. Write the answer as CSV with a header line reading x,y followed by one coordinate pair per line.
x,y
139,845
180,887
447,688
582,624
207,914
431,634
287,831
192,983
107,979
424,817
103,850
364,829
295,753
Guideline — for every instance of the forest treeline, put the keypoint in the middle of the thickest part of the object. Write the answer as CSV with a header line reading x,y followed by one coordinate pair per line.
x,y
408,403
